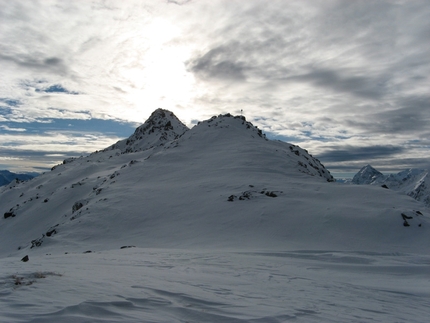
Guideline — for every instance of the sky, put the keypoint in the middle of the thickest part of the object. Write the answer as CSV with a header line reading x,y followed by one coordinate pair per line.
x,y
347,80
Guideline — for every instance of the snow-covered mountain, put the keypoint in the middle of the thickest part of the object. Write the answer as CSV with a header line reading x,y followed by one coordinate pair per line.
x,y
159,175
161,127
367,175
6,177
413,182
213,223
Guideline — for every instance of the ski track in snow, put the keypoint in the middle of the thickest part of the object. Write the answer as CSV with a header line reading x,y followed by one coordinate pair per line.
x,y
140,285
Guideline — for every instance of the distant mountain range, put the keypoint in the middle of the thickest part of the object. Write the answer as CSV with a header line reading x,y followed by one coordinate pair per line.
x,y
7,177
413,182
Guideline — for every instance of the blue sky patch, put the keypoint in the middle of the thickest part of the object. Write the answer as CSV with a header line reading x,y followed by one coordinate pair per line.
x,y
108,127
10,102
5,110
57,88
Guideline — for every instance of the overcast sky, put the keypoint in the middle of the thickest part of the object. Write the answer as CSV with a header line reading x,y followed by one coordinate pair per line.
x,y
347,80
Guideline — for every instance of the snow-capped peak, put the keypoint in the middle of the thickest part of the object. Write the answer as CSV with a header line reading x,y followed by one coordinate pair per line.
x,y
162,126
413,182
232,127
367,175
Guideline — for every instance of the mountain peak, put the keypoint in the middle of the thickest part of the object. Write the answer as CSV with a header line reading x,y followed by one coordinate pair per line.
x,y
413,181
162,126
367,175
7,177
232,127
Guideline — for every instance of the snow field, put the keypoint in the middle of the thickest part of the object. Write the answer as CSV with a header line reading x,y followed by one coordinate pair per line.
x,y
171,285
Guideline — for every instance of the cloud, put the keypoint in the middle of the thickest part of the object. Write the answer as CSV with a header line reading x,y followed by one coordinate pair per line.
x,y
50,143
180,3
342,82
328,75
12,129
353,153
38,64
217,63
6,158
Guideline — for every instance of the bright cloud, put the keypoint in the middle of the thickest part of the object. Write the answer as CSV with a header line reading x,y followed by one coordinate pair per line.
x,y
13,129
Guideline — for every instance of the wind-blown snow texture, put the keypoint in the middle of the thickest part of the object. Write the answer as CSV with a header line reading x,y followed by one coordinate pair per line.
x,y
413,182
211,224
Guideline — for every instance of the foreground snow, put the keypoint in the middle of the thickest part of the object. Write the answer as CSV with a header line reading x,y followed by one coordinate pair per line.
x,y
171,285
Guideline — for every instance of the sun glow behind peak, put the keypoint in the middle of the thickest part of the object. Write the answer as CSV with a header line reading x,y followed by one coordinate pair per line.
x,y
158,77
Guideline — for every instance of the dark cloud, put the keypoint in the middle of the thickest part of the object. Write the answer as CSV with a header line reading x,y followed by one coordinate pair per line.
x,y
23,153
274,59
230,62
412,117
393,166
404,120
37,157
339,81
180,3
80,127
350,153
218,63
34,62
53,61
345,47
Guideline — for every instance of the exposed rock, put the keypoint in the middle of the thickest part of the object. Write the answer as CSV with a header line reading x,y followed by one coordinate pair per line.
x,y
51,232
404,216
78,205
247,195
37,242
9,214
126,247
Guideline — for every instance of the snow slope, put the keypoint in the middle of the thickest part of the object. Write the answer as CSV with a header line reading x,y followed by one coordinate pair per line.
x,y
215,223
413,182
